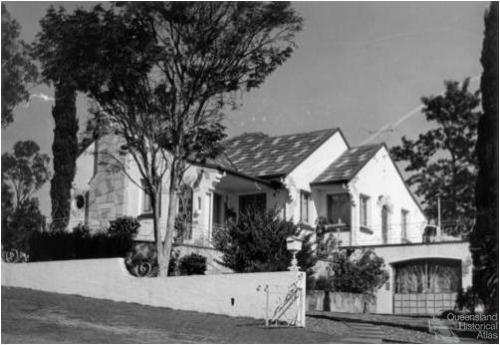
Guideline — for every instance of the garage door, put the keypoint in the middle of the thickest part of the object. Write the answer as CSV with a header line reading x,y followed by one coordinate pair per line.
x,y
426,286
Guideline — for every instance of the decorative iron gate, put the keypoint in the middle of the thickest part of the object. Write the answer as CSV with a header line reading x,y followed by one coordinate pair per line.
x,y
426,286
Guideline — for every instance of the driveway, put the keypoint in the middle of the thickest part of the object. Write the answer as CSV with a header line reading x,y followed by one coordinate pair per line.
x,y
30,316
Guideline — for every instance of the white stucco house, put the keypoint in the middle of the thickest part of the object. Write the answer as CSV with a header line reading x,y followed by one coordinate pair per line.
x,y
357,191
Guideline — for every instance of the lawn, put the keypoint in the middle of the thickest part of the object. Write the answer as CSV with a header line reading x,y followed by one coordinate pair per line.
x,y
30,316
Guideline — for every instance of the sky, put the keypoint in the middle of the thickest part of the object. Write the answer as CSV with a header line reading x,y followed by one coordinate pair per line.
x,y
359,66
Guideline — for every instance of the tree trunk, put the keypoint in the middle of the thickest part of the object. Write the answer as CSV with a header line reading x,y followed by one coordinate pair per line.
x,y
155,201
164,257
65,151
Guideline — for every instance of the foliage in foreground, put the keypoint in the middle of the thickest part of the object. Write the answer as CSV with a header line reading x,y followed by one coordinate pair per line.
x,y
142,261
171,71
58,245
468,300
18,69
256,242
358,271
442,161
484,238
192,264
19,225
81,243
25,170
124,225
23,173
66,49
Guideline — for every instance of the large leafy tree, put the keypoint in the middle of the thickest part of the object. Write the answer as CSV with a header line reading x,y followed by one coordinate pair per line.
x,y
168,83
17,69
442,161
484,238
23,173
256,242
67,48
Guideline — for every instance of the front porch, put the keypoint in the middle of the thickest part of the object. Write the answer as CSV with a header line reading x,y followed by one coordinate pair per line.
x,y
207,209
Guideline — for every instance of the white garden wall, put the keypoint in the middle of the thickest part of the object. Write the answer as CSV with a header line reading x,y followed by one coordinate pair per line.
x,y
228,294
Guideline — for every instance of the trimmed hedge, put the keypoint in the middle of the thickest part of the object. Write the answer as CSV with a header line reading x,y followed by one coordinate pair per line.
x,y
81,244
46,246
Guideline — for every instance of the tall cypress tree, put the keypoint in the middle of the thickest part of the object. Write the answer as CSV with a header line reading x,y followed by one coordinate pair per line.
x,y
484,239
65,151
67,48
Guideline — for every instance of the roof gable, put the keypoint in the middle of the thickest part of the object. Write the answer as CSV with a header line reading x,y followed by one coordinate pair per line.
x,y
348,164
259,155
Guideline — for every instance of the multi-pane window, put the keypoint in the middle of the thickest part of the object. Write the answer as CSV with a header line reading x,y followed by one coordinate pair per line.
x,y
363,210
339,209
404,224
305,199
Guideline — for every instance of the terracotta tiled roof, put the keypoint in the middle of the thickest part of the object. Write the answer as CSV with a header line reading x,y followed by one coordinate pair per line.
x,y
259,155
348,164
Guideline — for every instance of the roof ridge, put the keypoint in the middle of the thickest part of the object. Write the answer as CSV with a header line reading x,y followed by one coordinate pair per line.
x,y
333,129
369,145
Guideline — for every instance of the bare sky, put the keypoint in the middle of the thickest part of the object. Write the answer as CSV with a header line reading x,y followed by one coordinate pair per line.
x,y
358,66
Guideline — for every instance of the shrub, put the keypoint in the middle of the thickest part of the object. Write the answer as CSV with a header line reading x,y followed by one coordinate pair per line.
x,y
192,264
82,230
124,225
256,242
468,300
18,226
142,261
357,271
79,244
